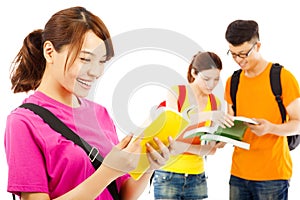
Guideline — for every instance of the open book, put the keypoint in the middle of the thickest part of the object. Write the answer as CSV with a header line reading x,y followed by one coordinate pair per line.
x,y
167,122
233,135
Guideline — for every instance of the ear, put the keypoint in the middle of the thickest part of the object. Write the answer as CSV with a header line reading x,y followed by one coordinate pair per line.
x,y
193,72
48,50
258,45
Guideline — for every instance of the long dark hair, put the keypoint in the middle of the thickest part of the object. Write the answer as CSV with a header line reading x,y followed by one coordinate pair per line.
x,y
66,27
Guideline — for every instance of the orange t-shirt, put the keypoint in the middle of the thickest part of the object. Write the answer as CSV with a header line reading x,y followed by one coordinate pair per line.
x,y
269,157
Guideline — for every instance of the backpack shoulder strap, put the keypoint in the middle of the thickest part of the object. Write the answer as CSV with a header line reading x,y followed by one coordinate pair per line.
x,y
275,81
181,96
57,125
213,101
277,89
180,100
234,83
60,127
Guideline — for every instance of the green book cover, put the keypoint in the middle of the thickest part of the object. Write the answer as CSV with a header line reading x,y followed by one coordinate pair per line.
x,y
235,132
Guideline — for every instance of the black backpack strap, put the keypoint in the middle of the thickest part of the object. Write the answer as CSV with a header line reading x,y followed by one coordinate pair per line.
x,y
276,88
293,140
57,125
234,83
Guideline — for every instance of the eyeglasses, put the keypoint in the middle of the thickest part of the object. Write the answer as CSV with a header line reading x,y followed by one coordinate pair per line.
x,y
241,55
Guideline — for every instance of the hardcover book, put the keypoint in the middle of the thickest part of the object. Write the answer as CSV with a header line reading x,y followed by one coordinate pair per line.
x,y
167,122
233,135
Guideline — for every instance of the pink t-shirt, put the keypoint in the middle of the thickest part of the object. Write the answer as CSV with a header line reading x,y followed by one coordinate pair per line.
x,y
42,160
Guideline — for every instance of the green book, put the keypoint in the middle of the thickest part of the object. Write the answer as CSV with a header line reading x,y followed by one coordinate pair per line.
x,y
233,135
235,132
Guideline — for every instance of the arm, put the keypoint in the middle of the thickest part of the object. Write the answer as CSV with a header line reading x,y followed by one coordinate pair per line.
x,y
210,148
217,116
132,189
205,149
89,189
292,127
121,159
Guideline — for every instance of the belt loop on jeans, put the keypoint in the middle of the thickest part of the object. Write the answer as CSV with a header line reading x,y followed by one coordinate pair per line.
x,y
186,174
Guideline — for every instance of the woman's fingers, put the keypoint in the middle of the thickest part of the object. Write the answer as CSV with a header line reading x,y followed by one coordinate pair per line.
x,y
225,120
124,142
158,158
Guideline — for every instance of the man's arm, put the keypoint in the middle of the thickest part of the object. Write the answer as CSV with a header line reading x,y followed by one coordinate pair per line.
x,y
292,127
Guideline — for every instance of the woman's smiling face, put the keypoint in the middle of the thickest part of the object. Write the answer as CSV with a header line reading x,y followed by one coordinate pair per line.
x,y
78,77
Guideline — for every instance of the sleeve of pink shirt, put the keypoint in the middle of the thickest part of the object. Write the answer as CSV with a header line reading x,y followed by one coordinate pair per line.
x,y
22,151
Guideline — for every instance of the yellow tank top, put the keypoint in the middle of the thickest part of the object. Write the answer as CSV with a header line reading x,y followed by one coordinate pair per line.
x,y
188,163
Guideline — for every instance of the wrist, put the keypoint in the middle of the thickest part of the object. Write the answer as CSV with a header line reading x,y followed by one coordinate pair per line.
x,y
204,150
148,174
109,173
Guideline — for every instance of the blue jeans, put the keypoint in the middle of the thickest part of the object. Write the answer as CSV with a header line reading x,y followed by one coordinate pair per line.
x,y
241,189
169,185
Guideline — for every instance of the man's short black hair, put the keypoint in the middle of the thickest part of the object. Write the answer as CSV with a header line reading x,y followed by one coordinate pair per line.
x,y
240,31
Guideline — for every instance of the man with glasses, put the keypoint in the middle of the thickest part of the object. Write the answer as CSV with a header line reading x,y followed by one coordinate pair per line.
x,y
263,172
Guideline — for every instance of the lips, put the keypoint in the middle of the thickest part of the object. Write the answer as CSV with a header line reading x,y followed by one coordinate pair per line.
x,y
243,64
84,82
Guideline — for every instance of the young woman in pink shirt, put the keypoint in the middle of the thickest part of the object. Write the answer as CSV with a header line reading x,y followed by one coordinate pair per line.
x,y
60,63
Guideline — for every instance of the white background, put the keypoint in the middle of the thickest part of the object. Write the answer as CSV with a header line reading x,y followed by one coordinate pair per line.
x,y
204,22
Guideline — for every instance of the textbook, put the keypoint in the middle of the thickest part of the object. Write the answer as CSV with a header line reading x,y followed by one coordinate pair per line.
x,y
232,135
167,122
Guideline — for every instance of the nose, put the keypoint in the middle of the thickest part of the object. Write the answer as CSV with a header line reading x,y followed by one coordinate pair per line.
x,y
238,59
210,84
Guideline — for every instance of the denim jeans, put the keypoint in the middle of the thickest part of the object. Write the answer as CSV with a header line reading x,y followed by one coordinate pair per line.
x,y
241,189
169,185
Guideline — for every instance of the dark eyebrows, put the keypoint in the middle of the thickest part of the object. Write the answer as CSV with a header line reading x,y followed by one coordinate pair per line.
x,y
240,52
91,53
87,52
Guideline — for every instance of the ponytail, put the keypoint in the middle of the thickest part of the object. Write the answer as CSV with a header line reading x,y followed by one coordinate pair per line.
x,y
29,65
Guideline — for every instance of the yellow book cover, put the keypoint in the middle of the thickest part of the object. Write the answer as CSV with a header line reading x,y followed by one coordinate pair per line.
x,y
168,122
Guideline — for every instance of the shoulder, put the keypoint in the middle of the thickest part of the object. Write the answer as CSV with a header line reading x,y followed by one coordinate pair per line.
x,y
177,88
235,76
24,115
22,122
285,73
287,78
289,85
